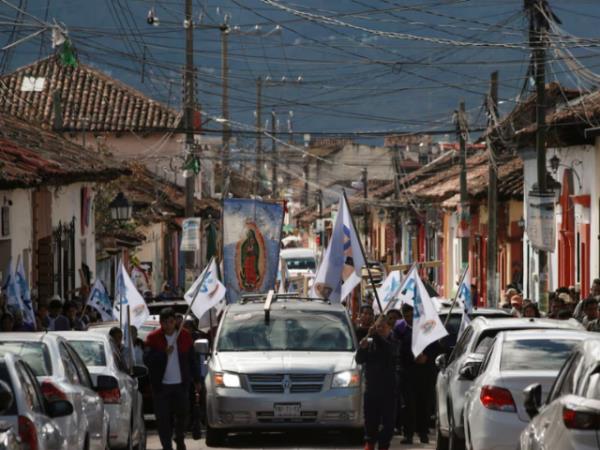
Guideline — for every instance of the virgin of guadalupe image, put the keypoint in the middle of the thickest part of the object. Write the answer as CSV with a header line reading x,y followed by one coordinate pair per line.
x,y
249,261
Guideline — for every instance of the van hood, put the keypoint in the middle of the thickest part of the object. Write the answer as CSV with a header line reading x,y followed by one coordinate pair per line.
x,y
284,362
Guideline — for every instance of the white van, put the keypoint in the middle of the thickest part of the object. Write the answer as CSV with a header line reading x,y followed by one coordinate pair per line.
x,y
299,261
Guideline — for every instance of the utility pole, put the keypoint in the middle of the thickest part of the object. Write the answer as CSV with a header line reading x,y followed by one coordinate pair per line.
x,y
189,102
492,250
226,129
274,160
396,163
259,156
461,130
365,207
306,169
538,26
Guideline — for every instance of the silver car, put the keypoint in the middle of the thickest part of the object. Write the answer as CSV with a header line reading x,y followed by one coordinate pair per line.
x,y
451,384
570,417
494,415
282,365
62,375
118,388
29,412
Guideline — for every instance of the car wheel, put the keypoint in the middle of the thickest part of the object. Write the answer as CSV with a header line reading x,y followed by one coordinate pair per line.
x,y
441,442
215,437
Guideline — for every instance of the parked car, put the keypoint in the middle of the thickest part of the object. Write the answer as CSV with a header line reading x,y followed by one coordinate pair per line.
x,y
494,415
28,411
118,388
62,375
285,364
299,261
473,343
569,418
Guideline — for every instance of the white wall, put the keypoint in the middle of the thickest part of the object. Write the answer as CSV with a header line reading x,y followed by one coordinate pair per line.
x,y
20,223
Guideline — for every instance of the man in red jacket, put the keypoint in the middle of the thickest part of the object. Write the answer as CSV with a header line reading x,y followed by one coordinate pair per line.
x,y
172,367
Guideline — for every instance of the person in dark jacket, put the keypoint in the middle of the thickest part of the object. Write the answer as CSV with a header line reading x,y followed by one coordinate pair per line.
x,y
377,352
417,380
172,367
365,321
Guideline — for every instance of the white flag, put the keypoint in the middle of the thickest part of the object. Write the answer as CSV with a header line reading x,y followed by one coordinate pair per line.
x,y
206,292
341,268
465,300
388,290
427,326
13,294
100,301
25,295
128,295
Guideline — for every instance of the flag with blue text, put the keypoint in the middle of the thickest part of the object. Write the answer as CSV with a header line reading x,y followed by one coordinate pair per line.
x,y
464,299
128,295
341,268
206,292
427,326
388,290
100,301
25,295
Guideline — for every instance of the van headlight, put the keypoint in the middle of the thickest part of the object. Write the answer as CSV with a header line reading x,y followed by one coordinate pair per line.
x,y
347,378
227,379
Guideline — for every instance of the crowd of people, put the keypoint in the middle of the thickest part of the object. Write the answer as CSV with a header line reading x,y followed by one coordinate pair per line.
x,y
400,388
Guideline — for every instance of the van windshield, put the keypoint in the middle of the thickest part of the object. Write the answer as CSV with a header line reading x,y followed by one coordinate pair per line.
x,y
291,330
300,263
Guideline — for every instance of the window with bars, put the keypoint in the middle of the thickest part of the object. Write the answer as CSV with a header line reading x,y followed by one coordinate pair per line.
x,y
64,259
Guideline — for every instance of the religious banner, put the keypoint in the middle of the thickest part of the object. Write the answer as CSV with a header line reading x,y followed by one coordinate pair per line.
x,y
251,242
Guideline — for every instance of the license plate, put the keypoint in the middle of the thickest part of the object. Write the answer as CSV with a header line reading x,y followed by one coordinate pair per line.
x,y
286,409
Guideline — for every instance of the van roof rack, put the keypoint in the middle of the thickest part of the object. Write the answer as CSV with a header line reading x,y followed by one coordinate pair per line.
x,y
261,298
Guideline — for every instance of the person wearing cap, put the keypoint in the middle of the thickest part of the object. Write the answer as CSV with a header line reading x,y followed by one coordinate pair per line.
x,y
516,302
55,320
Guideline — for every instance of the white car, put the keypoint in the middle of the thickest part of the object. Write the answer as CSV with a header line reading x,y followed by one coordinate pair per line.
x,y
494,415
118,388
63,376
473,343
299,261
28,411
570,417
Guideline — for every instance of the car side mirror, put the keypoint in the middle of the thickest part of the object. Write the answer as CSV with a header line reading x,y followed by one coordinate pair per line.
x,y
533,399
470,370
6,397
139,371
59,408
201,346
106,383
441,361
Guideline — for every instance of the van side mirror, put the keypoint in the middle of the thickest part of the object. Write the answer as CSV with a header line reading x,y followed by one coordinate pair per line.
x,y
106,383
139,371
201,346
533,399
59,408
441,361
469,370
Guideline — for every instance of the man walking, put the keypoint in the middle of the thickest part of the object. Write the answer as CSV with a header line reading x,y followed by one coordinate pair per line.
x,y
377,351
172,366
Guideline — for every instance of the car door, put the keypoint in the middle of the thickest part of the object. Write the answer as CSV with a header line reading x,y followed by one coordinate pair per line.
x,y
547,428
93,406
128,385
76,423
445,375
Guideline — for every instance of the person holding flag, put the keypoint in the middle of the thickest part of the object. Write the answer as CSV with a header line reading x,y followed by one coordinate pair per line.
x,y
418,337
100,301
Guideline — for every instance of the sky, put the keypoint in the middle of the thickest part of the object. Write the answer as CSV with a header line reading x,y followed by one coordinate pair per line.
x,y
360,66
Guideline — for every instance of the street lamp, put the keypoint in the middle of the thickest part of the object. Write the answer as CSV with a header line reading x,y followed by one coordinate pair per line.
x,y
412,226
120,208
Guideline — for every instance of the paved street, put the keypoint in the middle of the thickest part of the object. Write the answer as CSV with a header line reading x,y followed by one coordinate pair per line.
x,y
299,441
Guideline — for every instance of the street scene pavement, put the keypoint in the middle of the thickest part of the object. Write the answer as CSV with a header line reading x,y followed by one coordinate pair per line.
x,y
289,441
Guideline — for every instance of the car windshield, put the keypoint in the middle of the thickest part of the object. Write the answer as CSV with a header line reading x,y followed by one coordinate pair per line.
x,y
294,330
33,353
535,354
91,352
301,264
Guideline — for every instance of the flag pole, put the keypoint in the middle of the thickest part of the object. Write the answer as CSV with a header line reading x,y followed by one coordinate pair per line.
x,y
362,250
195,296
462,278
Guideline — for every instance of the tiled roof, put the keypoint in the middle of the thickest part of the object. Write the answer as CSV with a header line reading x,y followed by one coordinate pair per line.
x,y
31,156
90,100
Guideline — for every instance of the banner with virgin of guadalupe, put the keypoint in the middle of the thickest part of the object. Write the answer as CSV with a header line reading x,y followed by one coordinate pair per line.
x,y
251,242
